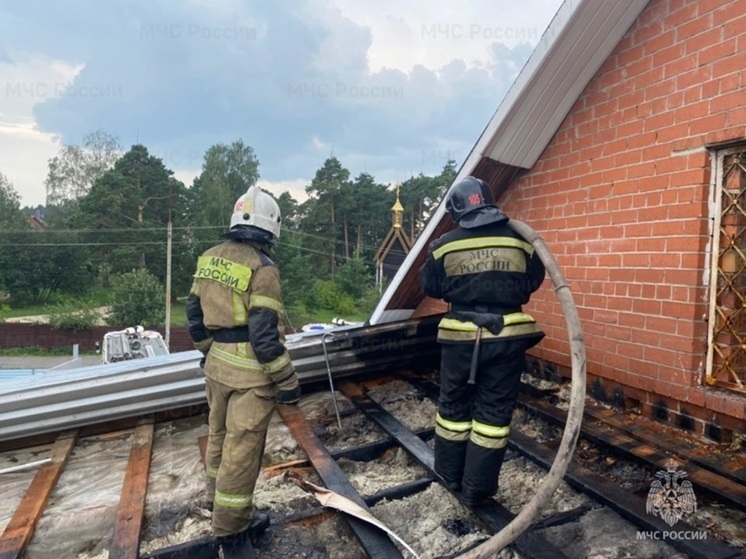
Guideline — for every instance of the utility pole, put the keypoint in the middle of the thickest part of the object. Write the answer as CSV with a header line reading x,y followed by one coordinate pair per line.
x,y
168,272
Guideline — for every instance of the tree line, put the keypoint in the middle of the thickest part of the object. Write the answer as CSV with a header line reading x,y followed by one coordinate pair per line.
x,y
108,212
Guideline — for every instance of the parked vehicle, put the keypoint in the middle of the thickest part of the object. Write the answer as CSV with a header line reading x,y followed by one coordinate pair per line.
x,y
132,343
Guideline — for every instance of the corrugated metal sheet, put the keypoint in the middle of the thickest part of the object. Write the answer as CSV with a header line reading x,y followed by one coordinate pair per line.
x,y
66,399
9,374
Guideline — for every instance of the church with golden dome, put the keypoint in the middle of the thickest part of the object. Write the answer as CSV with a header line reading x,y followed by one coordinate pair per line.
x,y
395,245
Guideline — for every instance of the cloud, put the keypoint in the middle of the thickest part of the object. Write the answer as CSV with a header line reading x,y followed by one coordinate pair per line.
x,y
296,188
291,78
29,79
22,147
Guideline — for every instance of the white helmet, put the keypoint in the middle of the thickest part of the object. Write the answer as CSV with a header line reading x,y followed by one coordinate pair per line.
x,y
259,209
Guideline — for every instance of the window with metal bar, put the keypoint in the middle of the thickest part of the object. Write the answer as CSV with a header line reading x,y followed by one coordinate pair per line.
x,y
726,358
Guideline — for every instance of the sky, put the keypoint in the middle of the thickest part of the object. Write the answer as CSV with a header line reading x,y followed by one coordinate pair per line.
x,y
393,88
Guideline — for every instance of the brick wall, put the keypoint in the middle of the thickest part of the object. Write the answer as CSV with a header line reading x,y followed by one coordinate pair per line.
x,y
621,197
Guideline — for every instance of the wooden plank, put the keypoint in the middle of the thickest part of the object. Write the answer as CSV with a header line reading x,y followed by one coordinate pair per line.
x,y
375,542
126,541
269,471
21,527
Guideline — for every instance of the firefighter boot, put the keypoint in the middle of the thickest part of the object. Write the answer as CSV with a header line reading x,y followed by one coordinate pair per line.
x,y
449,461
481,473
236,546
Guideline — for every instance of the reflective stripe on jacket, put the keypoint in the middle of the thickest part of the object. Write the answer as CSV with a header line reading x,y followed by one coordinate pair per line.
x,y
491,267
516,325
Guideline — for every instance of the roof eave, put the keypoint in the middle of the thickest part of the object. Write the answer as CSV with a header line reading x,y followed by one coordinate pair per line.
x,y
579,39
560,67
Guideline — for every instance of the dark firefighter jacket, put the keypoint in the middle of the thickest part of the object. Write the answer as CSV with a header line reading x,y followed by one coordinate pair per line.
x,y
235,311
486,274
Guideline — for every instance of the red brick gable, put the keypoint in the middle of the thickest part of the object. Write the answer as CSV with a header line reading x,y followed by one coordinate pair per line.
x,y
621,195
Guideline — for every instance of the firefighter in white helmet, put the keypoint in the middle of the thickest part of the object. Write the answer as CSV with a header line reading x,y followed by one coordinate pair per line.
x,y
235,316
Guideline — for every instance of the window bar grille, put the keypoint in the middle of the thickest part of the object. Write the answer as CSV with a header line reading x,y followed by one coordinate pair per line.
x,y
726,360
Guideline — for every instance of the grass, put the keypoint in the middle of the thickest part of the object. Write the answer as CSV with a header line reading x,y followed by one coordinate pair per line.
x,y
98,297
178,315
298,315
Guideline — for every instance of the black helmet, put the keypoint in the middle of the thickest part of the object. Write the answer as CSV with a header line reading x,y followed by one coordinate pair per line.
x,y
471,204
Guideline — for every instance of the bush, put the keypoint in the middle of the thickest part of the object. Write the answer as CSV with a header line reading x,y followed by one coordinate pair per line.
x,y
323,295
74,314
370,298
345,305
138,299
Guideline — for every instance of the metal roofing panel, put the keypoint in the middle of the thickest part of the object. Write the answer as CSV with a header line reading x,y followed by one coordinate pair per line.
x,y
579,39
57,400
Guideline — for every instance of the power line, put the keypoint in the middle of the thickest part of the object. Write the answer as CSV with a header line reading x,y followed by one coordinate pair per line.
x,y
338,242
114,230
163,243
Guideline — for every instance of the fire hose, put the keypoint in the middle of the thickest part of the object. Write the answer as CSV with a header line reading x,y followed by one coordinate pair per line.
x,y
574,415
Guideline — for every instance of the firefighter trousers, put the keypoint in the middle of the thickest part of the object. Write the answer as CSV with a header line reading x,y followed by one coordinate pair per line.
x,y
238,424
473,421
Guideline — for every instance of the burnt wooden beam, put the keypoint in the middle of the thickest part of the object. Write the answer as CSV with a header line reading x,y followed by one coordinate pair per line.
x,y
624,502
406,489
610,436
406,438
561,518
708,456
491,513
203,548
126,541
370,451
375,542
21,527
390,493
360,453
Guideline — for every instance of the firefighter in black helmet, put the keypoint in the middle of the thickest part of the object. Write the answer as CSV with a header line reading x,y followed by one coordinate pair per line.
x,y
487,272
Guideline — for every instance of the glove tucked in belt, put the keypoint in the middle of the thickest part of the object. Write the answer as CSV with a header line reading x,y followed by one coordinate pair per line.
x,y
493,322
